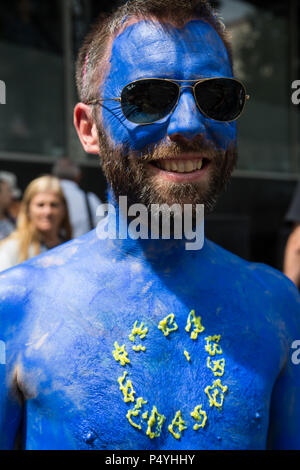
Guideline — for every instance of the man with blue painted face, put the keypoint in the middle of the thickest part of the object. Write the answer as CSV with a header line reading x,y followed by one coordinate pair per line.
x,y
136,343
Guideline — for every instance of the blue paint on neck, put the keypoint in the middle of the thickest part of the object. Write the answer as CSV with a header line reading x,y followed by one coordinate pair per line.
x,y
161,252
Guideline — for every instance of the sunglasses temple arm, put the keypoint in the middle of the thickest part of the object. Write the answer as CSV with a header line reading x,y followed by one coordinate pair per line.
x,y
101,100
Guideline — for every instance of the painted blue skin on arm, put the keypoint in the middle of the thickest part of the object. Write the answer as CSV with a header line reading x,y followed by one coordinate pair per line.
x,y
10,402
62,313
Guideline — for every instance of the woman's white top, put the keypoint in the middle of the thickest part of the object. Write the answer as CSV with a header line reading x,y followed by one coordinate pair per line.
x,y
9,253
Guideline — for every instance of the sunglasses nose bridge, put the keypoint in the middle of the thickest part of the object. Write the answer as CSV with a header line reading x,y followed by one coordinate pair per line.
x,y
180,87
186,120
181,91
192,93
192,87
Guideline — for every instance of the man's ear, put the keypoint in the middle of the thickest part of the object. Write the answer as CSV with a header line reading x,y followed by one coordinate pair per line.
x,y
86,128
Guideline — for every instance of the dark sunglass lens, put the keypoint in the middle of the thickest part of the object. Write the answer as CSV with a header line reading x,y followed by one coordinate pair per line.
x,y
221,99
146,101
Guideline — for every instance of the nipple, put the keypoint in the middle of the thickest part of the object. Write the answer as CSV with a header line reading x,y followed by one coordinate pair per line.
x,y
90,437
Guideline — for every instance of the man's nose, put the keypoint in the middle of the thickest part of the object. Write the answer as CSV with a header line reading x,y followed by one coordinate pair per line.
x,y
186,120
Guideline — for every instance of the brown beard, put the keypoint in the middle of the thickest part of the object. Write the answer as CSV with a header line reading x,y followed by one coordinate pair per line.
x,y
127,175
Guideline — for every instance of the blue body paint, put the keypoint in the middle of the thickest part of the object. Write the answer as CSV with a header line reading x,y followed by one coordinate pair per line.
x,y
194,52
84,296
62,313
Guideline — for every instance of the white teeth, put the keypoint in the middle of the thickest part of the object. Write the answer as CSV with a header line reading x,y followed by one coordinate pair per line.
x,y
181,166
188,166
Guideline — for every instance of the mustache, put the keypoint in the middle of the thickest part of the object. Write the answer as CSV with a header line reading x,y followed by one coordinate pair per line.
x,y
164,151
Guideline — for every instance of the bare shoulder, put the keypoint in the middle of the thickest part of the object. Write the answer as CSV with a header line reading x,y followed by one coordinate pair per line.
x,y
261,284
281,291
40,277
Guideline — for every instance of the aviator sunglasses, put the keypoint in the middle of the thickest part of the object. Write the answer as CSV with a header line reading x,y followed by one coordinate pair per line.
x,y
148,100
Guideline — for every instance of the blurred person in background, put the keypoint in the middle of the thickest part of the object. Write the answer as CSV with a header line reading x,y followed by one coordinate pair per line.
x,y
291,264
15,205
14,208
6,199
43,223
82,205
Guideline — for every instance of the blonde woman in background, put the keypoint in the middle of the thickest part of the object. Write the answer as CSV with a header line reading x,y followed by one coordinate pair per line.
x,y
43,223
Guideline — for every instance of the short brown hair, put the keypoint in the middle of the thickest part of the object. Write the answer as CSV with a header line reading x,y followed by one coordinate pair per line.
x,y
90,63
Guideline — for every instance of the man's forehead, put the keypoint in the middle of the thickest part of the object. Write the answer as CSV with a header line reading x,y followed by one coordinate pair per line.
x,y
144,41
149,31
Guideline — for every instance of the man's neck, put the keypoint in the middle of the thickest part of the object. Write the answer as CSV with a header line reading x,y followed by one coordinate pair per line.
x,y
133,231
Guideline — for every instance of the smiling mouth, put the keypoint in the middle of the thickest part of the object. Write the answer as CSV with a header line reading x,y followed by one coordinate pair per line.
x,y
181,165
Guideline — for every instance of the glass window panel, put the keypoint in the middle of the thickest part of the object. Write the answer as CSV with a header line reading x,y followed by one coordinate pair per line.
x,y
260,38
32,121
